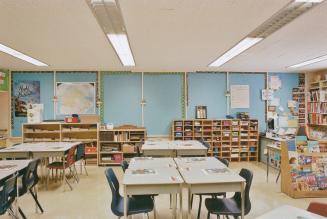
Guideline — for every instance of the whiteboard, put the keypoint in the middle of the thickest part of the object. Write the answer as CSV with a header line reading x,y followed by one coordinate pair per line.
x,y
240,96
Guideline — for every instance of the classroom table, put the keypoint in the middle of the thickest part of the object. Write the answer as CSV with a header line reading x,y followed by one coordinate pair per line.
x,y
160,180
147,162
10,167
174,148
199,180
39,150
289,212
209,162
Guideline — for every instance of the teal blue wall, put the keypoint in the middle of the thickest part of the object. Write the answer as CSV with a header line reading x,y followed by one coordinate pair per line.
x,y
47,91
163,95
289,81
207,89
257,106
46,96
122,98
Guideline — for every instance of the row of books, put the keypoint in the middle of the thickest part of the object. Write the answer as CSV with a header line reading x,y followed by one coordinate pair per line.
x,y
317,119
317,107
318,95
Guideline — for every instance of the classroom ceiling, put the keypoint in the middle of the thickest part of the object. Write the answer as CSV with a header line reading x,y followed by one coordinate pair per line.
x,y
165,35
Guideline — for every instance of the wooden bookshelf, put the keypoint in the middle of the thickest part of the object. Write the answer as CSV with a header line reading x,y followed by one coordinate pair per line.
x,y
235,140
118,144
57,132
298,95
317,104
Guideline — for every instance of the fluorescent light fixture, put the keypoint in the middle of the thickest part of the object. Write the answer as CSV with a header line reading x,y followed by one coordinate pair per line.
x,y
121,45
20,55
309,62
309,1
236,50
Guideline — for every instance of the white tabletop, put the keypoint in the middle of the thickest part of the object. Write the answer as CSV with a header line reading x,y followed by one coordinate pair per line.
x,y
289,212
209,162
148,162
159,176
41,147
206,175
9,167
173,145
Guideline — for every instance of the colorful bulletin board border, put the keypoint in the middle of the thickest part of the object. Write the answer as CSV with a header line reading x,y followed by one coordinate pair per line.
x,y
4,80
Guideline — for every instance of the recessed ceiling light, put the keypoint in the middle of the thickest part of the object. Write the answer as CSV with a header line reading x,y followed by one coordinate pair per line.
x,y
236,50
110,18
20,55
121,45
309,62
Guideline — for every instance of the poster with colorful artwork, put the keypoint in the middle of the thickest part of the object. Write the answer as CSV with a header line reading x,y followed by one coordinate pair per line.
x,y
25,93
4,78
76,98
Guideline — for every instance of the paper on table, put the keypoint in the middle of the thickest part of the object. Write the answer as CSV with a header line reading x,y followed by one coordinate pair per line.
x,y
283,121
281,131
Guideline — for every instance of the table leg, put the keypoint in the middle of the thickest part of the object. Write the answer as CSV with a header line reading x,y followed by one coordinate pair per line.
x,y
181,202
242,200
189,203
174,196
125,202
16,200
267,163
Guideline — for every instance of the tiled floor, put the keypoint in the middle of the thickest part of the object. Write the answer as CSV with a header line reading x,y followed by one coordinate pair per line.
x,y
91,197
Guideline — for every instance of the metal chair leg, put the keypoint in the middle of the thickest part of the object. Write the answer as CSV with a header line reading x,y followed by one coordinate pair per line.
x,y
34,195
191,201
84,161
200,204
208,215
21,213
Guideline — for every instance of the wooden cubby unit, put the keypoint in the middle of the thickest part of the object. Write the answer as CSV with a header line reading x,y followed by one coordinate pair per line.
x,y
57,132
119,143
233,139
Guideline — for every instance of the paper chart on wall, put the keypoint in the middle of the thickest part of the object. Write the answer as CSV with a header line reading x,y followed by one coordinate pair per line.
x,y
275,82
275,101
240,96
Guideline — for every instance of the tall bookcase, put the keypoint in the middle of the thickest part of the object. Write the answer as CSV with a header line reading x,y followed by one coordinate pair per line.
x,y
235,140
317,112
119,143
298,95
56,132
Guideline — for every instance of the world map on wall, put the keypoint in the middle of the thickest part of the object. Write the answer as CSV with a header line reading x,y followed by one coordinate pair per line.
x,y
75,98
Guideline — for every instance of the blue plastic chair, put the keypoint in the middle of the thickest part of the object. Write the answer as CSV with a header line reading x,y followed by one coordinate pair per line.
x,y
8,193
136,205
232,206
80,156
30,179
124,165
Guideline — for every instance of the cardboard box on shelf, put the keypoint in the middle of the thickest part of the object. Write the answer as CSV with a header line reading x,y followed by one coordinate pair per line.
x,y
127,148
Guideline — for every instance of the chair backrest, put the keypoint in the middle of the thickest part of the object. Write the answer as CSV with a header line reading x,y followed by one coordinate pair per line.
x,y
30,177
205,143
114,186
70,158
318,208
223,160
80,152
248,176
8,193
124,165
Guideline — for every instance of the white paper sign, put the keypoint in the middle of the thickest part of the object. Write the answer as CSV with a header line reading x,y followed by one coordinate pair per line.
x,y
240,96
283,121
275,102
275,82
267,94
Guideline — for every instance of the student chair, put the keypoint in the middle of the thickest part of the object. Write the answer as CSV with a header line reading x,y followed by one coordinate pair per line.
x,y
318,208
30,179
80,156
124,165
136,204
213,195
8,192
232,206
67,163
